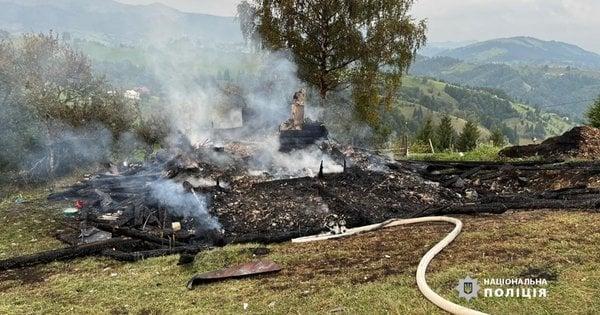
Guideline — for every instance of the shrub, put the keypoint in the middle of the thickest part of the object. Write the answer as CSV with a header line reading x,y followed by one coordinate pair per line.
x,y
593,114
467,141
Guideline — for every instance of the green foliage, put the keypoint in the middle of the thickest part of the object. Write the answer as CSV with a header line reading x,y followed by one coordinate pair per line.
x,y
420,148
593,114
365,44
427,132
153,130
524,83
58,86
50,96
514,120
446,135
467,141
481,153
497,138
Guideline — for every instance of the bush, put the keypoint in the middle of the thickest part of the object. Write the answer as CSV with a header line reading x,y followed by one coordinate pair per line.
x,y
446,136
153,130
593,114
497,138
467,141
54,108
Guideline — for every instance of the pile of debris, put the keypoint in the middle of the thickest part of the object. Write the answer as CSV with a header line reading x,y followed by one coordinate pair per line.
x,y
519,186
193,198
211,196
579,143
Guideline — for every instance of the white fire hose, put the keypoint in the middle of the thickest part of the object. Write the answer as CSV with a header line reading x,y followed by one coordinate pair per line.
x,y
423,264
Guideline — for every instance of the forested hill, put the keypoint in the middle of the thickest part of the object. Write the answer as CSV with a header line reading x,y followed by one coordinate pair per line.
x,y
420,97
423,98
525,51
545,86
111,21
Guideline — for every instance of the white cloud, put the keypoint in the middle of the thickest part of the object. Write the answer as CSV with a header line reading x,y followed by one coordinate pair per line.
x,y
573,21
215,7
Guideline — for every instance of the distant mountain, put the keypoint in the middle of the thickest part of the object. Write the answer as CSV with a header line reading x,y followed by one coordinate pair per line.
x,y
525,50
111,21
437,48
564,89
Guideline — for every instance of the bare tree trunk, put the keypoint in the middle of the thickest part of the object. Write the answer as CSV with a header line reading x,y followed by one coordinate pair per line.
x,y
50,149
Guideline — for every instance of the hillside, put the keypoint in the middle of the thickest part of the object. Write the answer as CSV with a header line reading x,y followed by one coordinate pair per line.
x,y
571,88
420,97
433,49
525,50
492,109
107,20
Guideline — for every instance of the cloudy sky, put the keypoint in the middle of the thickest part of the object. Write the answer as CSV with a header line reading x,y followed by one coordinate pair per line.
x,y
573,21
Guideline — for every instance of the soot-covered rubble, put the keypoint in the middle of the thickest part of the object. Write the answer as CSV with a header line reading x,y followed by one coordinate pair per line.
x,y
191,198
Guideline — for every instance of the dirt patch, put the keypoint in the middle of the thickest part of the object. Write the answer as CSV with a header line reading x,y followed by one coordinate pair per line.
x,y
25,276
546,273
579,143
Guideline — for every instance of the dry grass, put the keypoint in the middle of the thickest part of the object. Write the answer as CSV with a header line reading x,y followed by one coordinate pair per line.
x,y
371,273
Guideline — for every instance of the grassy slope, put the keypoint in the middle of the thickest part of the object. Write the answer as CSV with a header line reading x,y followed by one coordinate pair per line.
x,y
554,124
434,88
202,60
372,273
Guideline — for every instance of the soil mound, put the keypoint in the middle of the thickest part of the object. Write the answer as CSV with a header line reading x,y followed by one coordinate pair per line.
x,y
579,143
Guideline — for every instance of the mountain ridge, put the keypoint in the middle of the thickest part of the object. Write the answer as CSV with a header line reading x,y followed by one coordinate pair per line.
x,y
114,21
525,50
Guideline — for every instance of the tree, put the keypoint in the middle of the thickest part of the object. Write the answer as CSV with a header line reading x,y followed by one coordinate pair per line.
x,y
593,114
367,45
427,132
446,136
47,88
497,138
467,141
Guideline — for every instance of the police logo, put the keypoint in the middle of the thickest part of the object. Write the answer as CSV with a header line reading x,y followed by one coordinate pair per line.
x,y
468,288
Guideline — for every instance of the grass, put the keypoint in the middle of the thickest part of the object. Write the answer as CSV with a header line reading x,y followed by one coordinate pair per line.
x,y
370,273
481,153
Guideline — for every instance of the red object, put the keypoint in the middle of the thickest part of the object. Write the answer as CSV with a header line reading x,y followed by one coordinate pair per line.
x,y
239,271
80,204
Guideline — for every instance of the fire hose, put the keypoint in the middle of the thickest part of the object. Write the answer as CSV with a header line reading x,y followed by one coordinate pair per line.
x,y
423,264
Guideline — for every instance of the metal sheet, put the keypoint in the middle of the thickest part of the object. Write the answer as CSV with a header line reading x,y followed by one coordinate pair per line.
x,y
239,271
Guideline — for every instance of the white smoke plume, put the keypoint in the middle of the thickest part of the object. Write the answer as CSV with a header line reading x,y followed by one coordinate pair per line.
x,y
188,205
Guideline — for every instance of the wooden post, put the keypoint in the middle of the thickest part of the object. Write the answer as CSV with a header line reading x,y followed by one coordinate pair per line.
x,y
432,148
321,175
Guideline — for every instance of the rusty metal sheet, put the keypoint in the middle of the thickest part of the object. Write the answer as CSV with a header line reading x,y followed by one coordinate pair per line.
x,y
239,271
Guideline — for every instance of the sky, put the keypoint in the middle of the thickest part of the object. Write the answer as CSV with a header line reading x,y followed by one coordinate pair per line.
x,y
572,21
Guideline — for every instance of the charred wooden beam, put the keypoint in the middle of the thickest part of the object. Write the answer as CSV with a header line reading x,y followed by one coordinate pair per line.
x,y
273,238
136,234
590,205
137,256
65,254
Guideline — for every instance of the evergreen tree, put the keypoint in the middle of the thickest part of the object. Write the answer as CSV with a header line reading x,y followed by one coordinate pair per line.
x,y
593,114
467,141
427,132
497,138
446,136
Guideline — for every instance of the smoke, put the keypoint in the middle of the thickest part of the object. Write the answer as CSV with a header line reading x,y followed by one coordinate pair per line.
x,y
255,95
306,162
65,150
187,205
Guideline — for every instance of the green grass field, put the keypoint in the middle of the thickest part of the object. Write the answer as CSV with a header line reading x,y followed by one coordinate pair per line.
x,y
366,274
